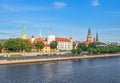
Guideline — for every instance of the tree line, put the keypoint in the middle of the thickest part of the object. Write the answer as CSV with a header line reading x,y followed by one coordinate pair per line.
x,y
20,45
96,48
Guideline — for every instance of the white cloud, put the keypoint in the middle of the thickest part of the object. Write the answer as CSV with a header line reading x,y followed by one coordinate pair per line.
x,y
59,4
95,3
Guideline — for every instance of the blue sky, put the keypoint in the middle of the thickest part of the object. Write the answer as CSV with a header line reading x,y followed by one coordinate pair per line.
x,y
65,18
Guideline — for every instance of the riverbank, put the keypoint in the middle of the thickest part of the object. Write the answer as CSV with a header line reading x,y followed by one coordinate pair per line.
x,y
4,62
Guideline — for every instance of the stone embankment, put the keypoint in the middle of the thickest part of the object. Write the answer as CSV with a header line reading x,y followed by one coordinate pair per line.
x,y
3,62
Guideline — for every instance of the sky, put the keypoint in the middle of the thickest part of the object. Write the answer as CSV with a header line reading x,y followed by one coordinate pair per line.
x,y
62,18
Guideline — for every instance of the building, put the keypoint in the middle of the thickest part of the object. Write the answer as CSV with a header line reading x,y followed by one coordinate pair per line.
x,y
64,44
89,38
24,36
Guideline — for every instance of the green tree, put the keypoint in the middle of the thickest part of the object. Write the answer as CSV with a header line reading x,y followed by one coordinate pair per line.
x,y
40,45
10,44
92,45
53,45
0,47
91,50
79,50
25,45
73,51
17,44
82,46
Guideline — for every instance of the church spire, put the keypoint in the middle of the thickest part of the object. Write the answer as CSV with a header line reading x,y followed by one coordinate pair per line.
x,y
40,33
89,31
24,29
97,39
24,32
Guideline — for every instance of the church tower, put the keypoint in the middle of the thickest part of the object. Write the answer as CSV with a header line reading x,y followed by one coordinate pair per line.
x,y
89,36
40,34
97,39
24,32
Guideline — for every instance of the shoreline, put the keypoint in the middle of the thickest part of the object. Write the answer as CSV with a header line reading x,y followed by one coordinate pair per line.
x,y
7,62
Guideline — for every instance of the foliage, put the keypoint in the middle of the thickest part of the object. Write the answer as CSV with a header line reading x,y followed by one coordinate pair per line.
x,y
105,49
53,44
92,45
0,47
14,45
82,46
15,55
39,45
73,51
78,50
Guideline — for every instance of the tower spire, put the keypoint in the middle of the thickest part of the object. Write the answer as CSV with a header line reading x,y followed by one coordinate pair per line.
x,y
89,36
89,31
40,33
24,32
97,39
24,29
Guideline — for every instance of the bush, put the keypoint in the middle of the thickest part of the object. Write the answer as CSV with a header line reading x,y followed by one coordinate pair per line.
x,y
73,51
78,50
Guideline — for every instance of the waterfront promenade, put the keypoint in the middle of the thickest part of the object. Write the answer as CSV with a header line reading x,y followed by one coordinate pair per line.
x,y
31,59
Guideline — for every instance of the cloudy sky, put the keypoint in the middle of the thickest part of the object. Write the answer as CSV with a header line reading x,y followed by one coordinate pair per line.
x,y
63,18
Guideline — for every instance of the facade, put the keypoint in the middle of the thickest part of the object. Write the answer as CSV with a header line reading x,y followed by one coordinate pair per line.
x,y
89,38
63,43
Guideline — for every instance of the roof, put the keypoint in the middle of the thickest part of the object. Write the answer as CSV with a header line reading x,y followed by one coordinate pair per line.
x,y
86,42
40,39
63,39
47,44
29,39
45,39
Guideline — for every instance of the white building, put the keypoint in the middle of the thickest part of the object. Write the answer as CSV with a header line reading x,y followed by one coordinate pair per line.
x,y
63,43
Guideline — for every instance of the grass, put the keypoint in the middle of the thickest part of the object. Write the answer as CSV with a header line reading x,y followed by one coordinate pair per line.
x,y
15,55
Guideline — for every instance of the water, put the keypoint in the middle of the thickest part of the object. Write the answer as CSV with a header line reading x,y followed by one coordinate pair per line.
x,y
105,70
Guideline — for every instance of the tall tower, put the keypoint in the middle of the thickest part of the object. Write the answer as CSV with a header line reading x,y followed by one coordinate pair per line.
x,y
97,39
94,40
40,34
89,36
24,32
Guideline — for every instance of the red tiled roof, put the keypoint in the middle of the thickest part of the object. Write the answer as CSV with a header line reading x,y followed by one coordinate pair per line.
x,y
45,39
40,39
29,39
62,39
86,42
47,44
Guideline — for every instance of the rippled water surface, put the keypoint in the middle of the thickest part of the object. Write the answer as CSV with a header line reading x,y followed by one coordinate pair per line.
x,y
80,71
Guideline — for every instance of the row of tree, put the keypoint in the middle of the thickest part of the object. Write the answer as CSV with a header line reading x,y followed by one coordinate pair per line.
x,y
20,45
96,48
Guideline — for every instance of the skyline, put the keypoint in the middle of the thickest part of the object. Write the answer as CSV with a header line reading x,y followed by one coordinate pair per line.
x,y
63,18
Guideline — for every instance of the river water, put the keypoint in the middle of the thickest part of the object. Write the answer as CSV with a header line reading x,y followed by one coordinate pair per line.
x,y
105,70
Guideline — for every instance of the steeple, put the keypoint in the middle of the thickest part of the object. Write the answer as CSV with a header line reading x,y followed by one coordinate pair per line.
x,y
89,31
97,39
94,40
24,32
24,29
89,36
40,33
